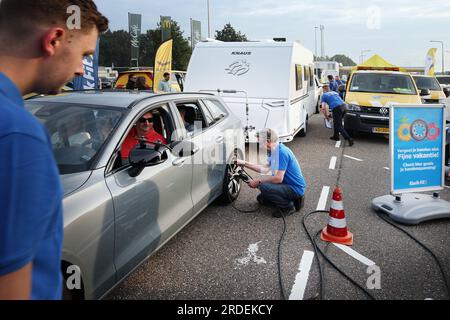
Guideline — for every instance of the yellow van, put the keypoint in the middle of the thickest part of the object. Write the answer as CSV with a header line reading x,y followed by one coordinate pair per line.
x,y
430,83
368,95
176,78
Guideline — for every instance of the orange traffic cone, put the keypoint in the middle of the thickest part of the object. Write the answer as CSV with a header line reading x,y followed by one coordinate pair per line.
x,y
336,230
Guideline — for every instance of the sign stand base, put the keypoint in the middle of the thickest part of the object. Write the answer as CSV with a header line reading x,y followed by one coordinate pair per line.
x,y
412,208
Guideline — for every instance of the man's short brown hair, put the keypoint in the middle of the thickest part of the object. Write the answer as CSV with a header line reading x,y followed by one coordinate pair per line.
x,y
20,17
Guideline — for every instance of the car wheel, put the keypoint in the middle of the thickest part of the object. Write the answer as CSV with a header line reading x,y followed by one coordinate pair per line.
x,y
231,183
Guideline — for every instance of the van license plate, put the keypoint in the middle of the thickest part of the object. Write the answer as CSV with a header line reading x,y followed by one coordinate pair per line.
x,y
381,130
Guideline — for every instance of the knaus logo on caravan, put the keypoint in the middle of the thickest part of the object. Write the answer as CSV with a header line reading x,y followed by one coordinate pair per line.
x,y
238,68
241,53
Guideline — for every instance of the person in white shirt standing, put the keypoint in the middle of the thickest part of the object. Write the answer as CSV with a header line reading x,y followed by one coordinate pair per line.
x,y
164,85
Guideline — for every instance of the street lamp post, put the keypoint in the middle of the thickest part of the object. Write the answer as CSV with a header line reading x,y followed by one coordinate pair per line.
x,y
322,41
443,58
209,23
363,52
315,40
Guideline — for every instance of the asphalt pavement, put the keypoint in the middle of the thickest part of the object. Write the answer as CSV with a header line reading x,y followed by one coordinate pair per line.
x,y
226,254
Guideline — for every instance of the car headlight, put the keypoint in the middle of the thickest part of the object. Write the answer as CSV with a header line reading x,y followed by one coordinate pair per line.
x,y
353,107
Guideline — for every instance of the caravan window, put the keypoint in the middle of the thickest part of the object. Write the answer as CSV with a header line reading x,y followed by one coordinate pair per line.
x,y
311,78
307,76
299,77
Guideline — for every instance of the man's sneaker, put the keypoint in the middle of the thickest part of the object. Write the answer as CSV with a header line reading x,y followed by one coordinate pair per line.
x,y
283,212
335,138
260,199
351,142
298,203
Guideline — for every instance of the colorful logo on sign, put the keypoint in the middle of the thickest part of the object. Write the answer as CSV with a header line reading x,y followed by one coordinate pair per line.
x,y
419,130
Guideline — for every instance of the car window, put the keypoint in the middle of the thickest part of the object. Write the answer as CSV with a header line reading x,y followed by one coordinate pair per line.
x,y
160,129
216,108
382,83
77,132
427,83
195,119
443,80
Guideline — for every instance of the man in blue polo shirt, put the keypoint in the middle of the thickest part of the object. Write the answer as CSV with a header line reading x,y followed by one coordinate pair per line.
x,y
285,188
332,101
40,58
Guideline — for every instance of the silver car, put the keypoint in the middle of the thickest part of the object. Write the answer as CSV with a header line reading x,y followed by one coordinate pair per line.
x,y
119,211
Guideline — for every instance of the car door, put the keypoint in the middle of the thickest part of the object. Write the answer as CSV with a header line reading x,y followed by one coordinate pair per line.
x,y
224,135
151,207
204,181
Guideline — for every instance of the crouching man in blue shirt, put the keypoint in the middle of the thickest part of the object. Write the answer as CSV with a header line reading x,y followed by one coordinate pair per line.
x,y
285,188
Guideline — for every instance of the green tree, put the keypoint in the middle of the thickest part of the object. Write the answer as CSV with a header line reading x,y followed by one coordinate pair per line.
x,y
229,34
340,58
115,48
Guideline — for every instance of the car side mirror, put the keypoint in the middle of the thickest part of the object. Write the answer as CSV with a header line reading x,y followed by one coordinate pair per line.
x,y
143,156
183,148
425,92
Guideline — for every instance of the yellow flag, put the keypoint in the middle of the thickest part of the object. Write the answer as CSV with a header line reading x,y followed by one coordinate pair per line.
x,y
163,63
430,62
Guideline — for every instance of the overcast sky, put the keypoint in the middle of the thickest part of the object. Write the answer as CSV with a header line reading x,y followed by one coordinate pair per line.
x,y
398,30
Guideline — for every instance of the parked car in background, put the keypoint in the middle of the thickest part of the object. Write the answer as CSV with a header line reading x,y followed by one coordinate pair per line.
x,y
368,95
444,80
176,79
430,83
119,211
106,83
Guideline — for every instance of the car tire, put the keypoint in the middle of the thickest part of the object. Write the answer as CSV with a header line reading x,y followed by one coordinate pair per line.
x,y
231,187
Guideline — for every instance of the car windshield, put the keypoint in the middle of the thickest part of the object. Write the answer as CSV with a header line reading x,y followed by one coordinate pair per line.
x,y
427,83
444,80
382,83
77,133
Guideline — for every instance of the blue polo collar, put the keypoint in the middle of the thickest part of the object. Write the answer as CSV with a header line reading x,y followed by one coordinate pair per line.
x,y
9,90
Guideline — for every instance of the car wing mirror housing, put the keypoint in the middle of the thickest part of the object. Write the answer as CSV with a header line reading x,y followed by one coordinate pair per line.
x,y
143,156
425,92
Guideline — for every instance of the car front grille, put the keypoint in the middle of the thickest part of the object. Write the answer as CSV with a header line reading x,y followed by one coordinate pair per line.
x,y
376,111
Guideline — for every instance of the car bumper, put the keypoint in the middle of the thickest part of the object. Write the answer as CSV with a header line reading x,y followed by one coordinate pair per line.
x,y
366,123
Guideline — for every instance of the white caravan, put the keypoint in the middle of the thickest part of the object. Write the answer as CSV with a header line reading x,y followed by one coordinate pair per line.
x,y
325,68
266,84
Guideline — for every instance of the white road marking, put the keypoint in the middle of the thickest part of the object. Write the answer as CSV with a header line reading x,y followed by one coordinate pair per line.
x,y
338,144
353,158
301,279
323,198
251,255
355,254
333,163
